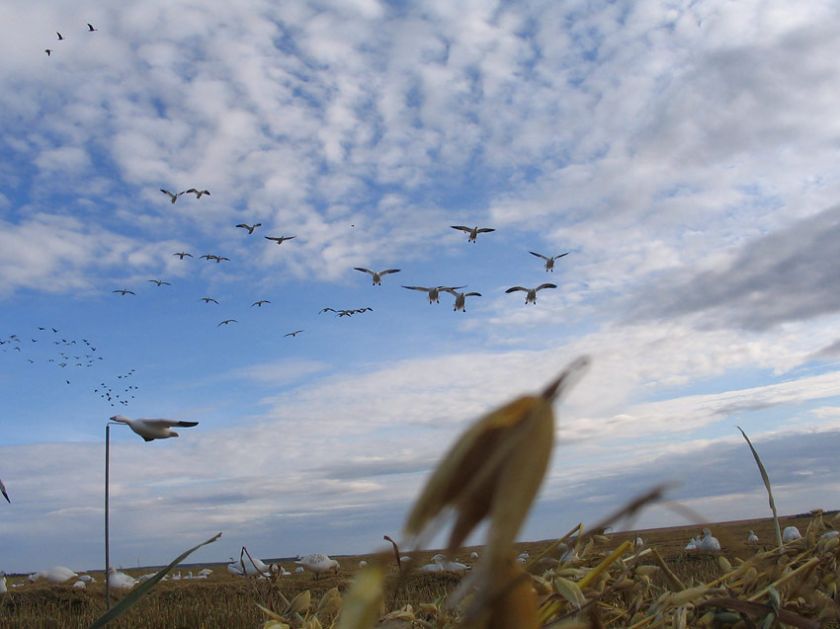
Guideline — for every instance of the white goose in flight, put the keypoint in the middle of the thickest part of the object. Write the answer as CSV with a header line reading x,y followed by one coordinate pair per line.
x,y
198,193
279,239
434,291
376,275
549,260
250,228
3,490
173,196
531,297
461,299
151,429
473,231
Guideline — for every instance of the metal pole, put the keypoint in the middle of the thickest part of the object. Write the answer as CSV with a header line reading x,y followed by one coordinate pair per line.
x,y
107,551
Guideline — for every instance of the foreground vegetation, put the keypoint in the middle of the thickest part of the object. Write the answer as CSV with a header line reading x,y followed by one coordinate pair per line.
x,y
227,601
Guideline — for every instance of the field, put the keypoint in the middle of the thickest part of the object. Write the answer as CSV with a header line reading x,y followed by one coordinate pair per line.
x,y
224,600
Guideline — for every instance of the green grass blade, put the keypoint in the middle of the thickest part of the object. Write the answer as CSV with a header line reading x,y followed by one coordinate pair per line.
x,y
141,590
766,480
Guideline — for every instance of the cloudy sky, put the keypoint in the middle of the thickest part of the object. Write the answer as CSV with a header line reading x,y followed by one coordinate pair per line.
x,y
683,153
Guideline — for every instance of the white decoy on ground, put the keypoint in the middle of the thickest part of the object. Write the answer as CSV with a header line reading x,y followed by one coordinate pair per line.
x,y
57,574
523,557
299,570
441,564
829,535
752,538
474,555
120,580
151,429
638,542
86,578
79,585
692,544
790,534
363,564
531,293
319,564
3,588
708,542
376,275
176,576
205,572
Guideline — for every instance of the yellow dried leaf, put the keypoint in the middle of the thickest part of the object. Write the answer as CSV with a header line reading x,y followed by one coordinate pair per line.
x,y
330,602
570,591
301,603
364,600
724,564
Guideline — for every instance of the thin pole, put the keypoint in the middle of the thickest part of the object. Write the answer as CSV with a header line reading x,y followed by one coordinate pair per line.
x,y
107,551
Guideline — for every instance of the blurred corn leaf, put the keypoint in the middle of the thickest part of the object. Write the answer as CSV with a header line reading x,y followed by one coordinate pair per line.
x,y
363,602
766,480
141,590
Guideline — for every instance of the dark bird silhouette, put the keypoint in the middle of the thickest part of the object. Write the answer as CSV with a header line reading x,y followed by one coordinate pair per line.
x,y
531,293
473,231
160,283
183,254
90,28
172,195
207,300
295,333
376,275
461,299
3,491
198,193
434,291
549,260
250,228
60,36
48,51
124,292
279,239
323,310
260,303
215,258
227,322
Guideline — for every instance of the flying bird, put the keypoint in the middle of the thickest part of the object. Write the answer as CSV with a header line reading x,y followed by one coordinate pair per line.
x,y
124,292
461,299
151,429
3,490
531,297
227,322
90,28
215,258
207,300
376,275
279,239
328,309
198,193
259,303
434,291
60,37
549,261
295,333
473,231
160,283
183,254
48,51
250,228
172,195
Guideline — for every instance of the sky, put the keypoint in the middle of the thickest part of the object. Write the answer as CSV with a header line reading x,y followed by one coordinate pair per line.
x,y
682,153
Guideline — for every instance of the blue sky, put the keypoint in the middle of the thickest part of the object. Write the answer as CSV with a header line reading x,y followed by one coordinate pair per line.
x,y
682,152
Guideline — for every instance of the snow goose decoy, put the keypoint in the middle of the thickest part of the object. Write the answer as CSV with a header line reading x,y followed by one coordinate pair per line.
x,y
151,429
3,491
752,538
57,574
279,239
790,534
531,296
198,193
473,231
319,564
434,291
461,299
549,260
376,275
173,196
708,542
124,291
3,588
183,254
250,228
120,580
160,283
